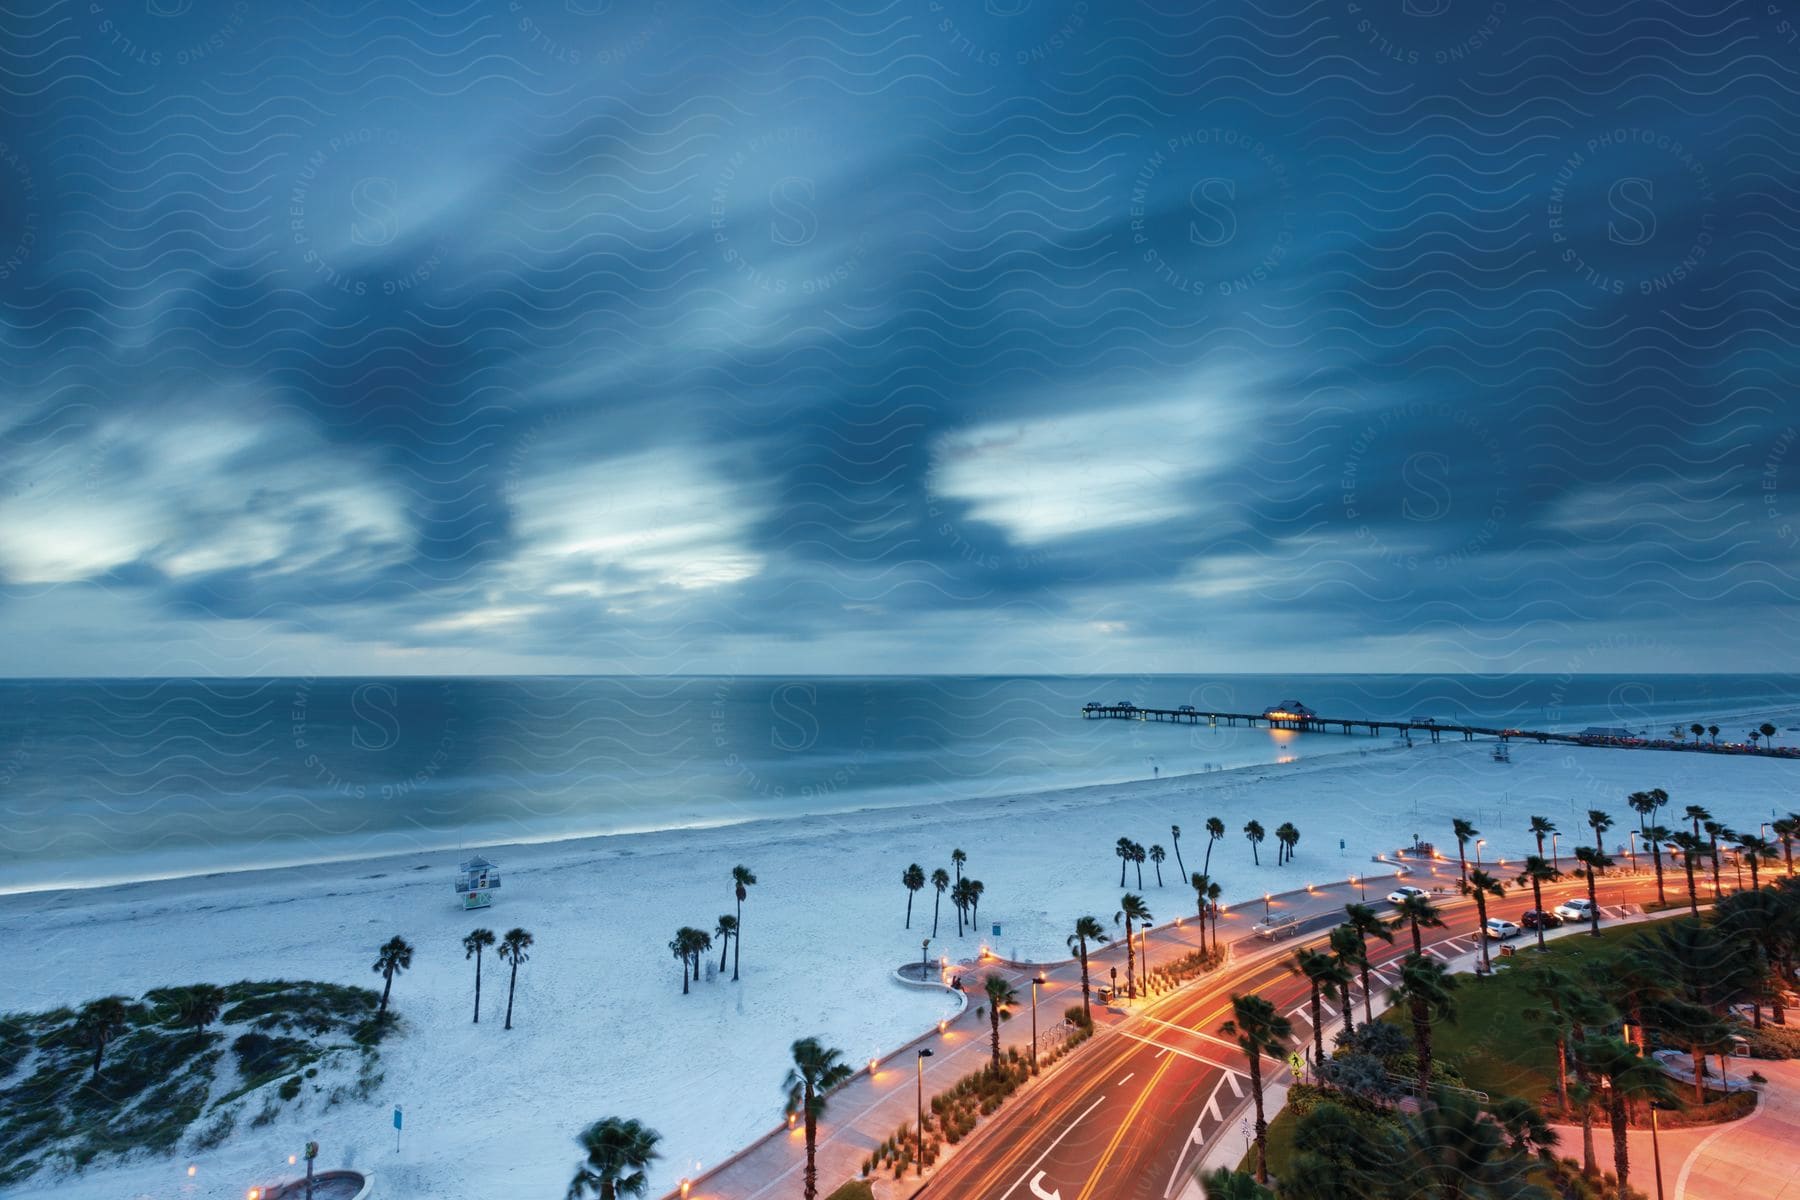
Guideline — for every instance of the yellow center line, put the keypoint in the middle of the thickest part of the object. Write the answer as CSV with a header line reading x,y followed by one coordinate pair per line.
x,y
1137,1106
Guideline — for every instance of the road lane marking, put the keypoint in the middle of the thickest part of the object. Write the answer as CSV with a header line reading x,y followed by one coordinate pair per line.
x,y
1211,1062
1037,1188
1201,1034
1195,1137
1053,1145
1127,1079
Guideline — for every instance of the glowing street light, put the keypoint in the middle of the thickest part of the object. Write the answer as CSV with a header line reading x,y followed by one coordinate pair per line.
x,y
1479,843
1036,981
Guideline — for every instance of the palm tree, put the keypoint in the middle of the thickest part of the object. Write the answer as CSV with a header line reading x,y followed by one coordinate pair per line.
x,y
1158,855
1698,730
617,1152
1537,873
1766,919
1567,1005
474,943
1754,851
199,1006
976,888
1786,829
99,1022
1599,821
1123,848
1541,828
1322,973
1131,908
1087,929
1286,836
1138,855
1657,836
1450,1148
959,900
1768,732
1699,978
1593,861
1213,892
1367,923
1215,830
1254,831
940,883
1629,1075
1696,814
1464,831
815,1072
684,946
1418,911
1713,732
1175,840
1643,804
1259,1030
1200,883
1425,989
1689,846
1227,1184
913,879
1348,950
725,931
742,880
1000,999
1481,885
957,859
1714,831
394,957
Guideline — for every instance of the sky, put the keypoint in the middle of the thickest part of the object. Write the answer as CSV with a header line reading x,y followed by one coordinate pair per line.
x,y
1004,336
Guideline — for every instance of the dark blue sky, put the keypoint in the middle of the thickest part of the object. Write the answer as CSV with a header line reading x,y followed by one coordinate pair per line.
x,y
999,335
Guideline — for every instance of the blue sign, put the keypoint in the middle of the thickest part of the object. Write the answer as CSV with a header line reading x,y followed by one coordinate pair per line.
x,y
396,1116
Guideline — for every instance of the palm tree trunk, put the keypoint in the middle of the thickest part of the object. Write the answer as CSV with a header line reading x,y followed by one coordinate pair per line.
x,y
909,898
1368,1016
511,985
994,1020
1178,861
935,902
1418,939
684,977
1422,1043
812,1148
1318,1028
1588,1166
737,941
1699,1071
1344,1002
477,988
1206,867
1262,1126
1693,892
1621,1150
1562,1073
1086,1009
1656,857
1130,963
1593,903
723,950
1123,863
1487,964
1140,874
1537,902
386,987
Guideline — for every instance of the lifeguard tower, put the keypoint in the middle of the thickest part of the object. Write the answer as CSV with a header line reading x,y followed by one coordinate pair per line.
x,y
476,881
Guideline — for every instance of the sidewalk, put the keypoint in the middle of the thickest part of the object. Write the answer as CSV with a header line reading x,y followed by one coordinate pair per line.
x,y
868,1109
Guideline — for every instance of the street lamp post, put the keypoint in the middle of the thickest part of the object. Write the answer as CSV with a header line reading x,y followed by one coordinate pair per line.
x,y
1036,980
1144,953
1633,835
923,1055
924,961
1479,843
1265,908
1555,855
1656,1151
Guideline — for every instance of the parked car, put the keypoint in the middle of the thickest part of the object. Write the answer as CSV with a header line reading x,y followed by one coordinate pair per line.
x,y
1537,919
1501,929
1575,910
1403,892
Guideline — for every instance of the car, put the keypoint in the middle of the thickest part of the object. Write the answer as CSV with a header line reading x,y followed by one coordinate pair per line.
x,y
1533,918
1575,910
1404,892
1501,929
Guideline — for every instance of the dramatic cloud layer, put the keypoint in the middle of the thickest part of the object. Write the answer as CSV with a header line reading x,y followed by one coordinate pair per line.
x,y
1025,335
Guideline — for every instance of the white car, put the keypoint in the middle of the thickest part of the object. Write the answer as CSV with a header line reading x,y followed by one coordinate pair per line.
x,y
1404,892
1501,930
1575,910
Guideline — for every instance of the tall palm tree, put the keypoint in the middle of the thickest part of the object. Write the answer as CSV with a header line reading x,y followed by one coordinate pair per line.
x,y
1713,732
1131,909
742,880
1213,893
1465,832
1287,837
1754,851
684,946
394,957
725,930
1259,1030
1599,821
977,889
199,1006
1766,919
1425,989
1714,831
1698,730
1566,1005
1537,873
1158,856
1138,855
1700,978
1254,831
1125,848
1175,840
1644,804
99,1022
1786,829
1352,956
1367,923
1087,929
1658,836
474,942
1481,885
1593,861
1001,998
1695,814
1418,911
1200,883
1689,847
1322,973
1768,731
816,1070
957,859
913,880
617,1151
1541,828
1215,830
959,900
940,883
1630,1075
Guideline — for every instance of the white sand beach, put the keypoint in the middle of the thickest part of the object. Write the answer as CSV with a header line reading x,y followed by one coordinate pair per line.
x,y
602,1026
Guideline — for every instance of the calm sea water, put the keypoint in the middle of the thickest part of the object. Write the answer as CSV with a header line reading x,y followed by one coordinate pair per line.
x,y
116,779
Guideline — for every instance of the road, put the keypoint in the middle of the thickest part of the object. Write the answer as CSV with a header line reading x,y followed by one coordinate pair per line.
x,y
1130,1115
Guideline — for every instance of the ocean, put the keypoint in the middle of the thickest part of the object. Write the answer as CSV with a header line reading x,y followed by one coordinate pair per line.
x,y
110,780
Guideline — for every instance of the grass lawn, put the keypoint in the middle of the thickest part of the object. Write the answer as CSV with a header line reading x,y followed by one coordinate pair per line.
x,y
1281,1145
1497,1049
